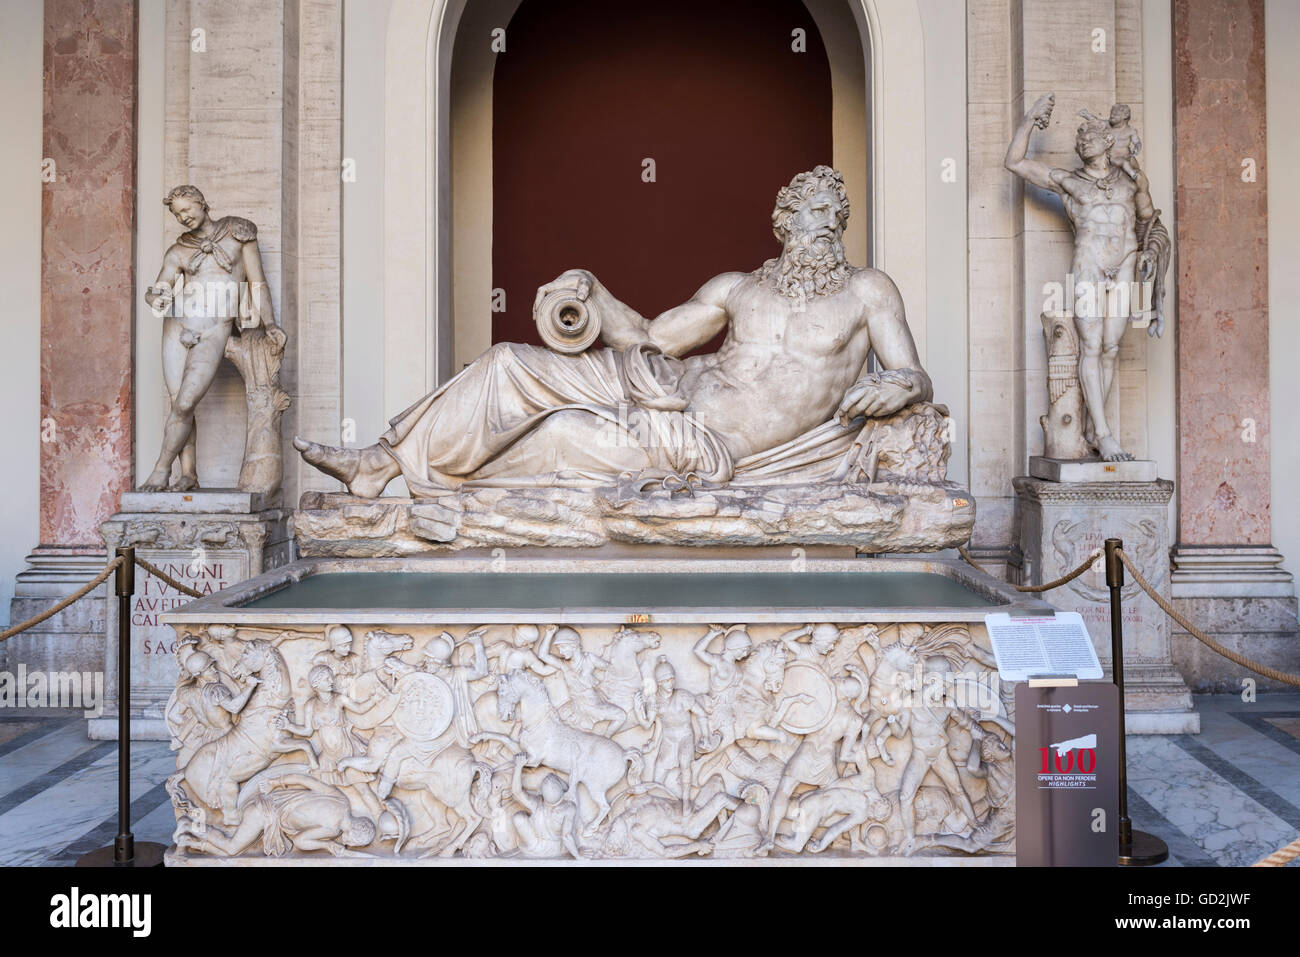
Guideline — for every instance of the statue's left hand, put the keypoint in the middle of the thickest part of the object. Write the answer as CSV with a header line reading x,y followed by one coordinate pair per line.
x,y
578,279
875,396
1146,264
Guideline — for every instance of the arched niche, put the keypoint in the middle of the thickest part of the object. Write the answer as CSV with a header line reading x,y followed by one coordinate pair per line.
x,y
642,142
437,285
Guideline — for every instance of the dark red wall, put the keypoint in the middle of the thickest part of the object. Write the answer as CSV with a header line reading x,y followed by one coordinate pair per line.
x,y
587,89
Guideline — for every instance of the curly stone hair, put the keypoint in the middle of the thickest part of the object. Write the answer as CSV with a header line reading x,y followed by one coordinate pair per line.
x,y
1093,125
792,197
184,192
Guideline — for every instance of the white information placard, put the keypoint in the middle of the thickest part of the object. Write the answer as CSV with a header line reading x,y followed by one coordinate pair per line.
x,y
1030,647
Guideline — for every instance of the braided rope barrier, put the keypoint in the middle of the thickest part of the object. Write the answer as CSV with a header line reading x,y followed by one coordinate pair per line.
x,y
1057,583
54,609
90,586
1281,857
1165,606
1199,635
158,573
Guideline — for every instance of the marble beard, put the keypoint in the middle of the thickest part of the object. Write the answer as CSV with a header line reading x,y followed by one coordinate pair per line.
x,y
519,741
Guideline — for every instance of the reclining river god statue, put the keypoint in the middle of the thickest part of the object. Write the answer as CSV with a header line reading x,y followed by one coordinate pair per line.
x,y
787,401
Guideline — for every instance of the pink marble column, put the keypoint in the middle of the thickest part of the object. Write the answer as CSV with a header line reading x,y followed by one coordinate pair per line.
x,y
1226,576
87,289
87,265
1222,321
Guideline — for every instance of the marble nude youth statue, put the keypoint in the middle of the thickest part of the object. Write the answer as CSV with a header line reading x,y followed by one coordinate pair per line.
x,y
798,333
1118,239
213,298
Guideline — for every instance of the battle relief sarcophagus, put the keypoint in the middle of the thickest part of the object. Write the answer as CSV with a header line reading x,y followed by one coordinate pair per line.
x,y
419,709
621,614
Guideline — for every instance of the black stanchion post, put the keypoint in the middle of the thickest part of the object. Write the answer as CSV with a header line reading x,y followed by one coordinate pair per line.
x,y
1136,848
125,852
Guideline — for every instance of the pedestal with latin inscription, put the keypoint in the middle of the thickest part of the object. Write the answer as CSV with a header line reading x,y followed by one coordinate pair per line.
x,y
207,540
1061,522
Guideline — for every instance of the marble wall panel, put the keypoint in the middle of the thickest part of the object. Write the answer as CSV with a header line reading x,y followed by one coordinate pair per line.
x,y
87,265
1222,273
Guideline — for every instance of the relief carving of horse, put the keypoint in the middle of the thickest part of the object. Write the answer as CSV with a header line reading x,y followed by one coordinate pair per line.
x,y
623,678
750,707
590,760
447,776
217,768
379,647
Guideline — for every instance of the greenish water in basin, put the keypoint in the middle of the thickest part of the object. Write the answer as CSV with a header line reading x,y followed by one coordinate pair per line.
x,y
514,591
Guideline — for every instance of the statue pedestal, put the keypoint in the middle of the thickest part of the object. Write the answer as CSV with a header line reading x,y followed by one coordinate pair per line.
x,y
69,641
208,539
1061,522
1091,470
1244,599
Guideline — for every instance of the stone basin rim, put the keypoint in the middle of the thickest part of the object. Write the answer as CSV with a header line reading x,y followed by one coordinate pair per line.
x,y
227,606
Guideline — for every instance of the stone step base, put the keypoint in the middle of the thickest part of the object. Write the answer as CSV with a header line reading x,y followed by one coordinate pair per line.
x,y
178,858
104,728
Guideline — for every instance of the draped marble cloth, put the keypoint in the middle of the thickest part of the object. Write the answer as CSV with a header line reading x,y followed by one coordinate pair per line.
x,y
496,425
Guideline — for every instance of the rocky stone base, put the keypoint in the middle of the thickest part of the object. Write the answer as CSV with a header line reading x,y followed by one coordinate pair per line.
x,y
875,517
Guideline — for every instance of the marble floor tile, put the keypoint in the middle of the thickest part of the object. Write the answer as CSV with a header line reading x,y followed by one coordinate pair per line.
x,y
38,827
1228,823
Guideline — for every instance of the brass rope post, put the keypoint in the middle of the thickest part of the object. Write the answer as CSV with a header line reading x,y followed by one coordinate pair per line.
x,y
125,852
124,588
1136,848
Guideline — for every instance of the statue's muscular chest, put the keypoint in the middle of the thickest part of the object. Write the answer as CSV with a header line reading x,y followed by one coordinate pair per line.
x,y
208,268
820,327
1095,208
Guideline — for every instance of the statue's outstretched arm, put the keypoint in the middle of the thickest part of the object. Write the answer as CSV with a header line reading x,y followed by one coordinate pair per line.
x,y
695,322
1040,174
544,649
621,326
675,332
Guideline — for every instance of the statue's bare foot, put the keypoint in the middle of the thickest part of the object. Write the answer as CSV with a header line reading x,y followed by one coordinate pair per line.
x,y
1111,452
156,482
366,472
185,483
341,464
